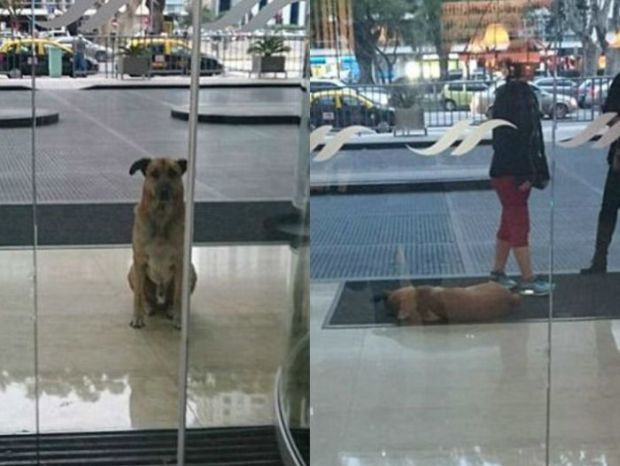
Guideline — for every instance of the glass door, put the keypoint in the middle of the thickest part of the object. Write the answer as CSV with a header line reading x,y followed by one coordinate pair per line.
x,y
430,246
585,348
247,343
19,421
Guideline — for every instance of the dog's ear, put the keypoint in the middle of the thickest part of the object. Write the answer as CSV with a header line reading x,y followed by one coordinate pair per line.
x,y
182,163
139,165
377,298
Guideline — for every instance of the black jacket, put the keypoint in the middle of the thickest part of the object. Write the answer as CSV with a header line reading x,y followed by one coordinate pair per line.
x,y
512,149
612,104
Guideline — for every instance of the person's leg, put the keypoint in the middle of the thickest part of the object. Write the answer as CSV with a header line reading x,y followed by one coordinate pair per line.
x,y
502,251
607,219
502,187
522,256
520,228
519,233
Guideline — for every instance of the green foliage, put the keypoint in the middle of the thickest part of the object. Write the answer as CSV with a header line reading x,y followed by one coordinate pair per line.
x,y
135,50
405,96
269,46
207,16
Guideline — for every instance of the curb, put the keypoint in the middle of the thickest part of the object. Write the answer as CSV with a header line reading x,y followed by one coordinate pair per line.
x,y
16,118
96,87
357,145
413,187
15,87
182,114
156,85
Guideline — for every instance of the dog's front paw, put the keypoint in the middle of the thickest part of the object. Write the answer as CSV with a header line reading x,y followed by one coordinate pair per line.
x,y
149,309
137,322
177,322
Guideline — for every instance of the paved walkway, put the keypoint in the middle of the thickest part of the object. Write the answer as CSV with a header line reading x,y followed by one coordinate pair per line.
x,y
66,83
87,155
452,233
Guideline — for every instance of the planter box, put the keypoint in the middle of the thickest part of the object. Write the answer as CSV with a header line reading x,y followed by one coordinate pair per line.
x,y
268,64
135,66
407,120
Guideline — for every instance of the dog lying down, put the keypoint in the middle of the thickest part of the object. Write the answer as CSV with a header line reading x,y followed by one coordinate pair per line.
x,y
435,304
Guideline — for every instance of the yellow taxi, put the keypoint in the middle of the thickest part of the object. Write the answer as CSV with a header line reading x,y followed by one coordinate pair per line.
x,y
172,56
346,107
16,57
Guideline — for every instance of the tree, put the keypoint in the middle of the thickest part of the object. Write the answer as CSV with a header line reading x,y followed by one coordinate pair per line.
x,y
428,20
379,27
13,7
613,54
588,19
156,9
207,16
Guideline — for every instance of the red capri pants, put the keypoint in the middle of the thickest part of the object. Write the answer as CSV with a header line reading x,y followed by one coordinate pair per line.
x,y
515,223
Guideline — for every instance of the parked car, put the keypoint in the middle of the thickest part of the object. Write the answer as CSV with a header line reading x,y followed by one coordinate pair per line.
x,y
379,94
93,50
593,92
16,55
173,56
564,86
345,107
474,75
458,94
320,84
482,102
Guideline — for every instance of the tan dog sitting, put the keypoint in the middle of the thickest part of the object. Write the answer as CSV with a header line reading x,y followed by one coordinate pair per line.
x,y
158,232
429,304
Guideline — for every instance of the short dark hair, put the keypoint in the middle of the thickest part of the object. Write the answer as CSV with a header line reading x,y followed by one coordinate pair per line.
x,y
612,103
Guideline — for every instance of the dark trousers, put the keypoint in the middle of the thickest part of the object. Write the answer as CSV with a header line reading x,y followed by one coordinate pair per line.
x,y
608,215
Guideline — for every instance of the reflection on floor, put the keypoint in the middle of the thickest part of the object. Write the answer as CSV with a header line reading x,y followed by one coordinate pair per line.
x,y
98,373
463,395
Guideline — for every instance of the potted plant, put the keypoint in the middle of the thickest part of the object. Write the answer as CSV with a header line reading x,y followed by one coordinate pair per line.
x,y
408,111
135,60
265,55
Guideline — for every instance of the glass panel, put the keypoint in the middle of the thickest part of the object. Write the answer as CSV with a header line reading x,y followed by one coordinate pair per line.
x,y
248,378
18,388
417,357
107,227
585,342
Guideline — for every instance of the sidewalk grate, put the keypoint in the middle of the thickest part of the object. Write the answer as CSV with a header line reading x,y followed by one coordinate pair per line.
x,y
339,262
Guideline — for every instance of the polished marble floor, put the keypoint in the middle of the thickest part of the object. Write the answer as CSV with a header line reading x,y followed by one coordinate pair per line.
x,y
95,372
463,395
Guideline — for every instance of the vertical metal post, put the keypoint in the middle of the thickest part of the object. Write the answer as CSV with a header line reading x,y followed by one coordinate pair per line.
x,y
548,393
189,226
302,169
35,234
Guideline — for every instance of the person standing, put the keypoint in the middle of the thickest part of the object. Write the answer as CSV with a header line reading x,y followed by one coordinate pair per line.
x,y
608,214
80,55
518,165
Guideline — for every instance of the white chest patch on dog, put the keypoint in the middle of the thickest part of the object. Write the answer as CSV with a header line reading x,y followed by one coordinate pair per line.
x,y
160,266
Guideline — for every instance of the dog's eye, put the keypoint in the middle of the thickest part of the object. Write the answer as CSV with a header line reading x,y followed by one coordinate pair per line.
x,y
172,173
155,174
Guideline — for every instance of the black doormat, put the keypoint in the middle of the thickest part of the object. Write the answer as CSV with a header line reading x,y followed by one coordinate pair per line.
x,y
575,297
111,224
233,446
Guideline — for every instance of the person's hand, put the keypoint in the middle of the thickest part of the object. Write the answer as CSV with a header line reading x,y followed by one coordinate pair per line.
x,y
526,186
